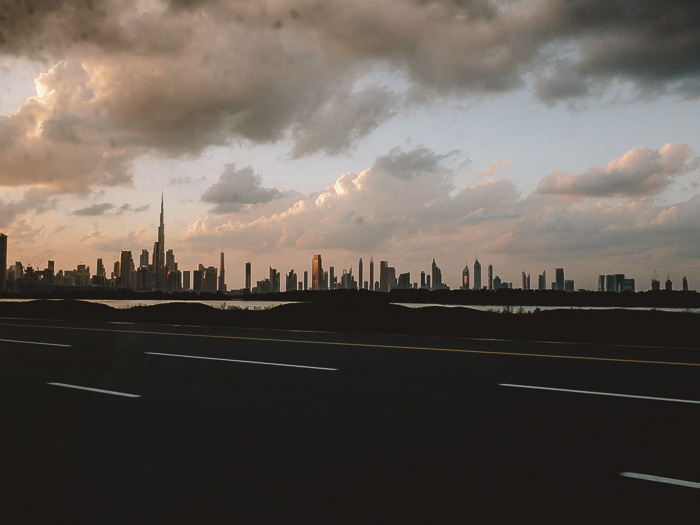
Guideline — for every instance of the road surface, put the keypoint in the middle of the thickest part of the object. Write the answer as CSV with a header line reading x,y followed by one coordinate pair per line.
x,y
132,423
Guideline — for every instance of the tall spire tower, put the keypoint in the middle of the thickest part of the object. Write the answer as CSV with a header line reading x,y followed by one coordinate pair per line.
x,y
161,232
159,252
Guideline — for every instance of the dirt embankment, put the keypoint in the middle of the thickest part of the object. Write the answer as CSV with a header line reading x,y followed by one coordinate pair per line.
x,y
651,328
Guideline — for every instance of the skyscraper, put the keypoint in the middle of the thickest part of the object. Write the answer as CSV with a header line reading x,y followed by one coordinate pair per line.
x,y
248,281
3,261
477,275
222,282
436,276
490,276
359,273
126,264
306,280
158,267
143,259
317,273
371,273
559,277
101,272
465,277
159,251
384,285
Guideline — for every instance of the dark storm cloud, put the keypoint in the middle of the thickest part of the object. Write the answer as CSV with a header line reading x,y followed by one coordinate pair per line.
x,y
94,210
177,77
238,188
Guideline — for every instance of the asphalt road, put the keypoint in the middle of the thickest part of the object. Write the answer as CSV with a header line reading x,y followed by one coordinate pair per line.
x,y
187,424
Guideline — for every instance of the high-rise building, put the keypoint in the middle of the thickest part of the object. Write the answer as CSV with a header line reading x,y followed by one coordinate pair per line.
x,y
465,277
126,264
291,281
628,285
101,272
333,280
274,280
161,233
542,281
436,274
685,284
186,280
306,280
371,273
197,280
405,281
490,276
143,259
525,286
655,285
477,274
384,285
559,278
601,283
210,282
317,273
222,281
248,281
3,262
359,273
169,261
669,285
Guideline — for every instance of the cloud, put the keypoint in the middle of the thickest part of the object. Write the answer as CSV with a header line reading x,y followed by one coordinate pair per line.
x,y
338,124
34,199
176,77
414,218
186,180
93,235
125,208
405,194
640,172
238,188
409,165
94,210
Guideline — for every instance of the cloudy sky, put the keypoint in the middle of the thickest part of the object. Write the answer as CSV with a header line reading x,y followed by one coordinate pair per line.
x,y
534,134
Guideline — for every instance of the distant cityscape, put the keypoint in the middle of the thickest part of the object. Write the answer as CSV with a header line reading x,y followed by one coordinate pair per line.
x,y
158,271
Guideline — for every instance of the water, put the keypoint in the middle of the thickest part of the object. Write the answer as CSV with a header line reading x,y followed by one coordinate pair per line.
x,y
264,305
530,309
128,303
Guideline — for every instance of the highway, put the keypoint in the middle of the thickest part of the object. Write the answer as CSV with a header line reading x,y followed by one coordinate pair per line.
x,y
133,423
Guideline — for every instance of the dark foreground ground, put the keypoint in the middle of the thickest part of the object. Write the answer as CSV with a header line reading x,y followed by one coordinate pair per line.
x,y
193,424
651,328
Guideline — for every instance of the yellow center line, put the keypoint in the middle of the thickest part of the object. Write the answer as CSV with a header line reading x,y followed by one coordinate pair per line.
x,y
358,345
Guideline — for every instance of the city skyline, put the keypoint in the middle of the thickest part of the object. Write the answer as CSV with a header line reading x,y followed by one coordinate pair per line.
x,y
162,273
562,134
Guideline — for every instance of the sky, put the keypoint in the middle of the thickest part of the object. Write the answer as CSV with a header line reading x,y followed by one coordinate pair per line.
x,y
530,134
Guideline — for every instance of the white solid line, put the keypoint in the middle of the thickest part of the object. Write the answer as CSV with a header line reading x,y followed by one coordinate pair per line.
x,y
33,343
112,392
241,361
659,479
602,393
